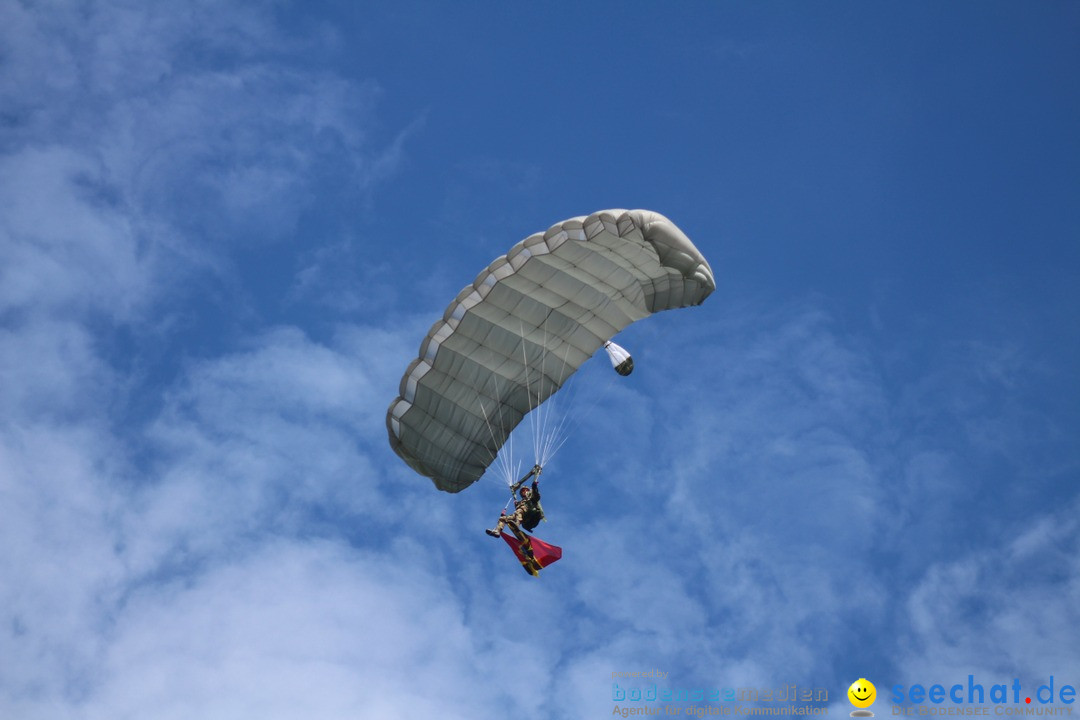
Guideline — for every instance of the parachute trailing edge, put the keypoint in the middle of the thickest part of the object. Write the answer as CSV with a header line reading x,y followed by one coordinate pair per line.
x,y
527,322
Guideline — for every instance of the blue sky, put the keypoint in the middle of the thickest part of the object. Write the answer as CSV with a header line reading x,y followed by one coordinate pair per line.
x,y
225,228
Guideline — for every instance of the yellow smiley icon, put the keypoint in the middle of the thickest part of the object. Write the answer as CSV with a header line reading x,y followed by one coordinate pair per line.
x,y
862,693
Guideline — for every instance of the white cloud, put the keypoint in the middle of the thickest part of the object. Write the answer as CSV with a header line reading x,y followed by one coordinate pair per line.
x,y
1000,612
288,629
244,543
781,497
179,590
65,246
60,570
119,142
165,137
312,628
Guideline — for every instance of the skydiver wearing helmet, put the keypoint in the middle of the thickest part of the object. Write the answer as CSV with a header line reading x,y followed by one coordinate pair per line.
x,y
527,511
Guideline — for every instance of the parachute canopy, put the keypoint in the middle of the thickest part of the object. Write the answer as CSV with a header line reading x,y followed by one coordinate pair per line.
x,y
529,320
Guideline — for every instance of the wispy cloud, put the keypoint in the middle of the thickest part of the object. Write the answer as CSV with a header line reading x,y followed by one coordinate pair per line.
x,y
201,512
130,166
1003,612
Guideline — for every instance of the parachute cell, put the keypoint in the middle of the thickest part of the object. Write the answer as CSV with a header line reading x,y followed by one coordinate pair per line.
x,y
529,320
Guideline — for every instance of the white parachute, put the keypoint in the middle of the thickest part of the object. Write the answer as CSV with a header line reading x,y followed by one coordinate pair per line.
x,y
526,324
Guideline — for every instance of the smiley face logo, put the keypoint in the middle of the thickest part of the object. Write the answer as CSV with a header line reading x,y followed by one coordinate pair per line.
x,y
862,693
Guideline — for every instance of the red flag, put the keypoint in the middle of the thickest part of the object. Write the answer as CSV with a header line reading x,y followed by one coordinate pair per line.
x,y
533,552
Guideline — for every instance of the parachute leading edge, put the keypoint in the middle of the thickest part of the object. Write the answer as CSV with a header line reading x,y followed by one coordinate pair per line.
x,y
526,323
